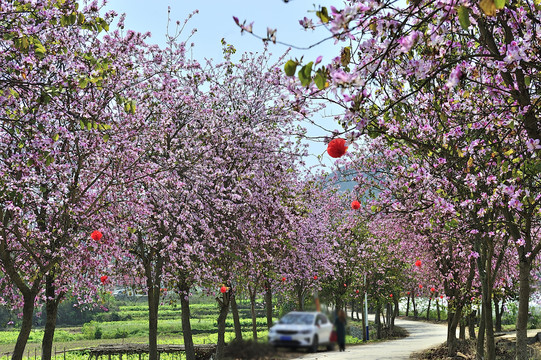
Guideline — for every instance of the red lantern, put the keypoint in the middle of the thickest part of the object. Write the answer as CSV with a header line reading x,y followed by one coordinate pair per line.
x,y
355,205
390,295
96,235
420,286
223,289
345,285
441,296
408,293
336,148
315,277
103,279
356,291
418,263
432,289
283,279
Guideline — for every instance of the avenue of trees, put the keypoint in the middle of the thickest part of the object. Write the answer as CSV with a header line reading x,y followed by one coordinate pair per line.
x,y
126,164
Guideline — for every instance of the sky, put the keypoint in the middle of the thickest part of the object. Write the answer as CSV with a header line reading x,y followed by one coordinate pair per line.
x,y
214,21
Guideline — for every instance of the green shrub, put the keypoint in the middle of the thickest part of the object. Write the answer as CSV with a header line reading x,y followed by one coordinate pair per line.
x,y
92,330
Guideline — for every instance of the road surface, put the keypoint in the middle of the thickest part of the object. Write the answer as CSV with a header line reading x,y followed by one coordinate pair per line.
x,y
421,336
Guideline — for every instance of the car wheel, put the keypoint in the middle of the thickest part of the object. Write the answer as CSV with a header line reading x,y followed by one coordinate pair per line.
x,y
315,344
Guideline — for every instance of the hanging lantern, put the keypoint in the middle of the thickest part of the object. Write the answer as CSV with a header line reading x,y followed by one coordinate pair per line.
x,y
441,296
408,293
345,285
432,289
355,205
356,291
420,286
223,289
418,263
390,295
96,235
315,277
283,279
336,148
103,279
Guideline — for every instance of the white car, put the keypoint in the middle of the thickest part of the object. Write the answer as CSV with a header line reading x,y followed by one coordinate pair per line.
x,y
302,329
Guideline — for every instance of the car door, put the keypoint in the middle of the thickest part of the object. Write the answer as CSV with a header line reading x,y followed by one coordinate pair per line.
x,y
325,328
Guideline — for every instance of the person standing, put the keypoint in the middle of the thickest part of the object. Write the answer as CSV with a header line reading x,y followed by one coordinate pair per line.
x,y
340,325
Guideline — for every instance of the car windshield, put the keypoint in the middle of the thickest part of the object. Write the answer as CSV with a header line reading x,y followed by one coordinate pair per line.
x,y
301,319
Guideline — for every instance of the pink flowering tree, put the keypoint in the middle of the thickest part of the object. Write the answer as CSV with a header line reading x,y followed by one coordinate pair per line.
x,y
462,93
58,97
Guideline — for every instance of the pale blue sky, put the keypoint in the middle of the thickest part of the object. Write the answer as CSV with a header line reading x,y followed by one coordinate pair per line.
x,y
215,21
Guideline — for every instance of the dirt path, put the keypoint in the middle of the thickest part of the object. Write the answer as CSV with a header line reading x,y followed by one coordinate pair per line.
x,y
421,336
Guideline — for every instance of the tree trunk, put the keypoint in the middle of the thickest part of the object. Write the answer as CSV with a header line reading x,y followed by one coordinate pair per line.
x,y
408,306
224,309
300,298
414,305
268,303
463,325
153,285
26,325
428,309
186,325
153,302
438,309
487,314
254,315
471,323
51,309
523,303
236,318
452,323
378,321
480,348
498,319
396,311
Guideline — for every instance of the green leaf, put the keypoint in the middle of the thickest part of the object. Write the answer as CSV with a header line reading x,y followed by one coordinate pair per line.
x,y
305,74
464,17
83,83
320,79
39,49
323,15
290,67
106,137
527,80
500,4
55,137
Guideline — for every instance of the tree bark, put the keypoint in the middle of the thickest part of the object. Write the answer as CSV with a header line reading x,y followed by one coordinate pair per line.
x,y
378,321
452,322
471,323
480,348
268,303
26,325
523,304
428,309
236,318
186,325
153,286
51,309
408,306
415,314
224,309
253,312
498,313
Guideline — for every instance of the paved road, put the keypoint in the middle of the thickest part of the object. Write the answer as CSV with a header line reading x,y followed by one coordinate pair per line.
x,y
422,336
